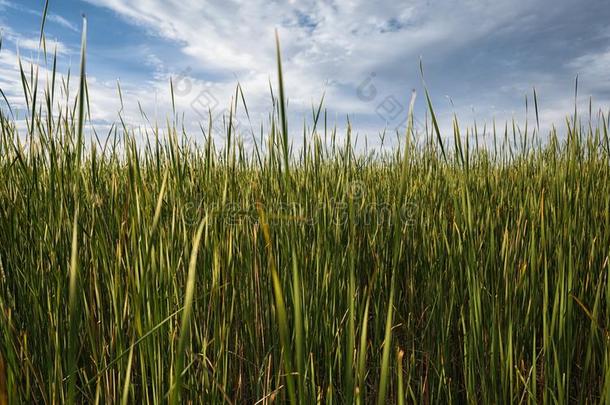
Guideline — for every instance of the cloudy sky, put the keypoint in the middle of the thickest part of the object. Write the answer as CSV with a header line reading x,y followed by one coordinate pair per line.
x,y
481,58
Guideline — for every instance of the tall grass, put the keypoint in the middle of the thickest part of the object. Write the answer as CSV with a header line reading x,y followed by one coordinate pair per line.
x,y
430,273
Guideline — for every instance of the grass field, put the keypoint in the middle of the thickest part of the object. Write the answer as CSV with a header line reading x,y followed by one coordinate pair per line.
x,y
431,273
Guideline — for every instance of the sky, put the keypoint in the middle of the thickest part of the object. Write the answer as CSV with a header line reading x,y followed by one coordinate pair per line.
x,y
481,59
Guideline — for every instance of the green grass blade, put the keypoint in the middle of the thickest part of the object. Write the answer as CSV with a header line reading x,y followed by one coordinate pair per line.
x,y
186,314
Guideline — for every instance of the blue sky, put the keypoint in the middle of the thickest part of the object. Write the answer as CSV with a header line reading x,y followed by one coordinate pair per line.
x,y
481,58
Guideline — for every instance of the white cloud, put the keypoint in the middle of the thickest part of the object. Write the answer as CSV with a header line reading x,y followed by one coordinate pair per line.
x,y
332,47
24,43
327,45
593,67
30,44
56,18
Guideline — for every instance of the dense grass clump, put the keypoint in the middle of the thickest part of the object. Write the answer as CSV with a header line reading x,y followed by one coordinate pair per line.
x,y
166,271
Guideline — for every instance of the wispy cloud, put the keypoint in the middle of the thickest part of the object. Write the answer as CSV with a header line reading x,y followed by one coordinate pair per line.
x,y
486,56
24,43
52,17
328,45
56,18
595,66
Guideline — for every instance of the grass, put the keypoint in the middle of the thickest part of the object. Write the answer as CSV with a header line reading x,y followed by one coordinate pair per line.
x,y
431,273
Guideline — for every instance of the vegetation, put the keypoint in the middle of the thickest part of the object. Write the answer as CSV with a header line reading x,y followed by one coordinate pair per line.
x,y
431,273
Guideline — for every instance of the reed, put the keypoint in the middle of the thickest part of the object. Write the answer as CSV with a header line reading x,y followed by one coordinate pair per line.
x,y
161,271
